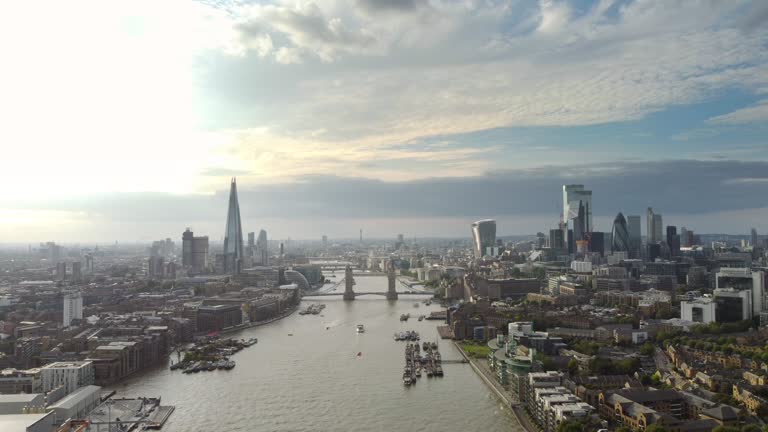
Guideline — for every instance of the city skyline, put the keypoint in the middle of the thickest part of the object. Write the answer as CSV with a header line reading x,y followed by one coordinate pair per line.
x,y
319,99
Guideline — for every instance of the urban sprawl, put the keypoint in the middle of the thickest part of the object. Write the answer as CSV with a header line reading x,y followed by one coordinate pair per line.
x,y
654,328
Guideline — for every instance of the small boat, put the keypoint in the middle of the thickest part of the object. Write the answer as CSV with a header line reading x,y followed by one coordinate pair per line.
x,y
360,354
327,328
360,328
290,334
418,373
421,317
415,305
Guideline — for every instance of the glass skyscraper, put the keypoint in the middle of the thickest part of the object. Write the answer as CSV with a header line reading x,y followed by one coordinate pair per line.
x,y
483,236
233,236
620,235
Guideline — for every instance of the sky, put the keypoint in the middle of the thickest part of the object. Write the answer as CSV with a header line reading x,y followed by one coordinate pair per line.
x,y
127,120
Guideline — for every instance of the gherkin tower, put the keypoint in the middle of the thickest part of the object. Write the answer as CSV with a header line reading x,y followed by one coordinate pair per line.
x,y
233,237
620,234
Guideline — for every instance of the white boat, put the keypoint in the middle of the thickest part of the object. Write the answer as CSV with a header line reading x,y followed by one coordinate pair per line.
x,y
360,328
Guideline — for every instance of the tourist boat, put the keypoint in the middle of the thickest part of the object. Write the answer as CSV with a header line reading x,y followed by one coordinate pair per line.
x,y
418,373
407,380
360,328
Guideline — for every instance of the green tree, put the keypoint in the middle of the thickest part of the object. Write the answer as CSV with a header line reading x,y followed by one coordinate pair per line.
x,y
570,426
647,349
655,428
573,367
751,428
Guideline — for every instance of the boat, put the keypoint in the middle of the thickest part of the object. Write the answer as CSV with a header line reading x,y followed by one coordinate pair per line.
x,y
421,317
418,373
416,305
407,380
290,334
360,328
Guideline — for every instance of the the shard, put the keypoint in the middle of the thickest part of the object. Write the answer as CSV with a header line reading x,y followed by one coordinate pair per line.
x,y
233,237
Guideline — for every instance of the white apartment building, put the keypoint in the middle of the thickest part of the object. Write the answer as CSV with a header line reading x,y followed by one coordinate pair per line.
x,y
71,375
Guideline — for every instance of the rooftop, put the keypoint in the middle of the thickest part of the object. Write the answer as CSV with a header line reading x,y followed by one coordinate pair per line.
x,y
20,422
76,396
18,397
67,365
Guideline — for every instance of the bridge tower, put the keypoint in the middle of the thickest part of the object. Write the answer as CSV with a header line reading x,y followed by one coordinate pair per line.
x,y
349,293
391,290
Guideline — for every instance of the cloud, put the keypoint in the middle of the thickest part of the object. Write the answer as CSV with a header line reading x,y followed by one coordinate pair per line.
x,y
753,114
456,67
676,186
392,5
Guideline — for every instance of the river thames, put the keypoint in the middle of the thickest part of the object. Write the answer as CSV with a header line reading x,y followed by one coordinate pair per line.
x,y
315,381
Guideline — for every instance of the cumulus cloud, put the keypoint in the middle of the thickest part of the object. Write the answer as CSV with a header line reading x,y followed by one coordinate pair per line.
x,y
455,67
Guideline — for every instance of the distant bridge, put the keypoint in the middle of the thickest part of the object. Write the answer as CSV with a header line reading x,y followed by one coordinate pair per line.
x,y
349,282
328,294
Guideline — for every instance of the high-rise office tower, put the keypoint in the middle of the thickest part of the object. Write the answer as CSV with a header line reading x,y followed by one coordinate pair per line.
x,y
361,236
635,236
673,240
156,267
597,243
251,240
77,274
572,195
654,251
61,271
483,236
579,222
649,228
653,226
753,233
684,237
325,241
620,235
73,308
262,250
89,263
186,248
194,251
233,236
556,239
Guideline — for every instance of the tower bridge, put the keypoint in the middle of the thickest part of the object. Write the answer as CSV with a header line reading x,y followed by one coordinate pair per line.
x,y
350,294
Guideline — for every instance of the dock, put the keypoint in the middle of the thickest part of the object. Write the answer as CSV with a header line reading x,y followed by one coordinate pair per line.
x,y
431,363
438,315
159,416
445,332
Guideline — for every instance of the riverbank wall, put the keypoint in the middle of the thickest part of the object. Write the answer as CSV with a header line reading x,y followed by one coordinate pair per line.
x,y
502,394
